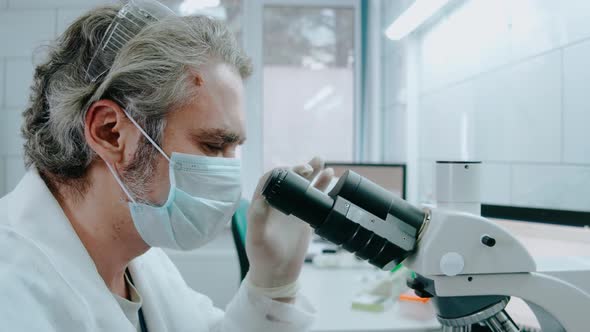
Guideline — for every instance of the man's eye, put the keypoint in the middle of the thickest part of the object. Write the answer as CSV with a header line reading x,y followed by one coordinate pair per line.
x,y
214,147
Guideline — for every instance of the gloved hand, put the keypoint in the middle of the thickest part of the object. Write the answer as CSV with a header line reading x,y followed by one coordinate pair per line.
x,y
276,244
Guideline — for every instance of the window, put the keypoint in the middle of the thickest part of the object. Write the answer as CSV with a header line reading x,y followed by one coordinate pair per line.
x,y
229,11
308,84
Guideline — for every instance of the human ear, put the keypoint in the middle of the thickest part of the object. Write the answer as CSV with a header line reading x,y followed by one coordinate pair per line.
x,y
109,133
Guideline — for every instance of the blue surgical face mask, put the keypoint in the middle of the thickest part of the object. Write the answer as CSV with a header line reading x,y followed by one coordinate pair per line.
x,y
204,194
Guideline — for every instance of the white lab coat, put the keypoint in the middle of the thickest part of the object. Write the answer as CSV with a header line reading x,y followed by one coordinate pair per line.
x,y
48,282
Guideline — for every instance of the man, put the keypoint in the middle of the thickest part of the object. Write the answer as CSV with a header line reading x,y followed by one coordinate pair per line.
x,y
138,157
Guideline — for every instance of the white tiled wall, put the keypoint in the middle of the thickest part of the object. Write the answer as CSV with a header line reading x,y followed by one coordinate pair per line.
x,y
66,16
26,28
446,124
23,31
10,138
2,171
564,186
496,179
19,75
2,78
522,104
576,117
506,82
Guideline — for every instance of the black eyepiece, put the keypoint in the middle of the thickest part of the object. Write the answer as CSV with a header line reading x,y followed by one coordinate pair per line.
x,y
291,193
358,214
376,199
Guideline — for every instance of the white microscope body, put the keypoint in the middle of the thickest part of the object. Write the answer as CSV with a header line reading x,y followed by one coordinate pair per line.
x,y
465,257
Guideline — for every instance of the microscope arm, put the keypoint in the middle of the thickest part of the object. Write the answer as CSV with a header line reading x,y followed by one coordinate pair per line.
x,y
460,243
453,254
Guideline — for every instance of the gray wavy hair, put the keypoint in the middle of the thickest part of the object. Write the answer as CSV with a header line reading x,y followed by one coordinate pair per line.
x,y
149,77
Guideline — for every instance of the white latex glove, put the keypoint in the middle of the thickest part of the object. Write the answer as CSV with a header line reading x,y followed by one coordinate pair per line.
x,y
276,244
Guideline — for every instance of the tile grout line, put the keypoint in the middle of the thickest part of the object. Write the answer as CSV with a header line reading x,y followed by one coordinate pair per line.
x,y
562,77
56,23
510,186
5,104
4,82
3,176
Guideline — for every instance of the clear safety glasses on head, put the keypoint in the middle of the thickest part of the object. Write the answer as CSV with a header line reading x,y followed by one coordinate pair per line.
x,y
130,20
204,194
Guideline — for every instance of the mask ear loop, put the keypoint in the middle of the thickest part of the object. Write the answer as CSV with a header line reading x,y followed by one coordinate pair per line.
x,y
120,182
116,176
147,136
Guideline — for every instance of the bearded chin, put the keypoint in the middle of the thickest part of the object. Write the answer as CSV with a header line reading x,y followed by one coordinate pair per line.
x,y
139,174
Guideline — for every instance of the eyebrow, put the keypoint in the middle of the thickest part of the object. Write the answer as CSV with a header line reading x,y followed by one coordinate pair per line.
x,y
220,136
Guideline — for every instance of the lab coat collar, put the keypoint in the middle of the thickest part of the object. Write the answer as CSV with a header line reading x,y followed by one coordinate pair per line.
x,y
140,272
42,219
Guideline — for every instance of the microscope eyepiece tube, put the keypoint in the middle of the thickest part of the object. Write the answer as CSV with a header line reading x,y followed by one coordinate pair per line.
x,y
376,199
362,217
290,193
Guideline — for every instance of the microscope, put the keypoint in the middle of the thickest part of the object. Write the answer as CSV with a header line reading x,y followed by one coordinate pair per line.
x,y
468,265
